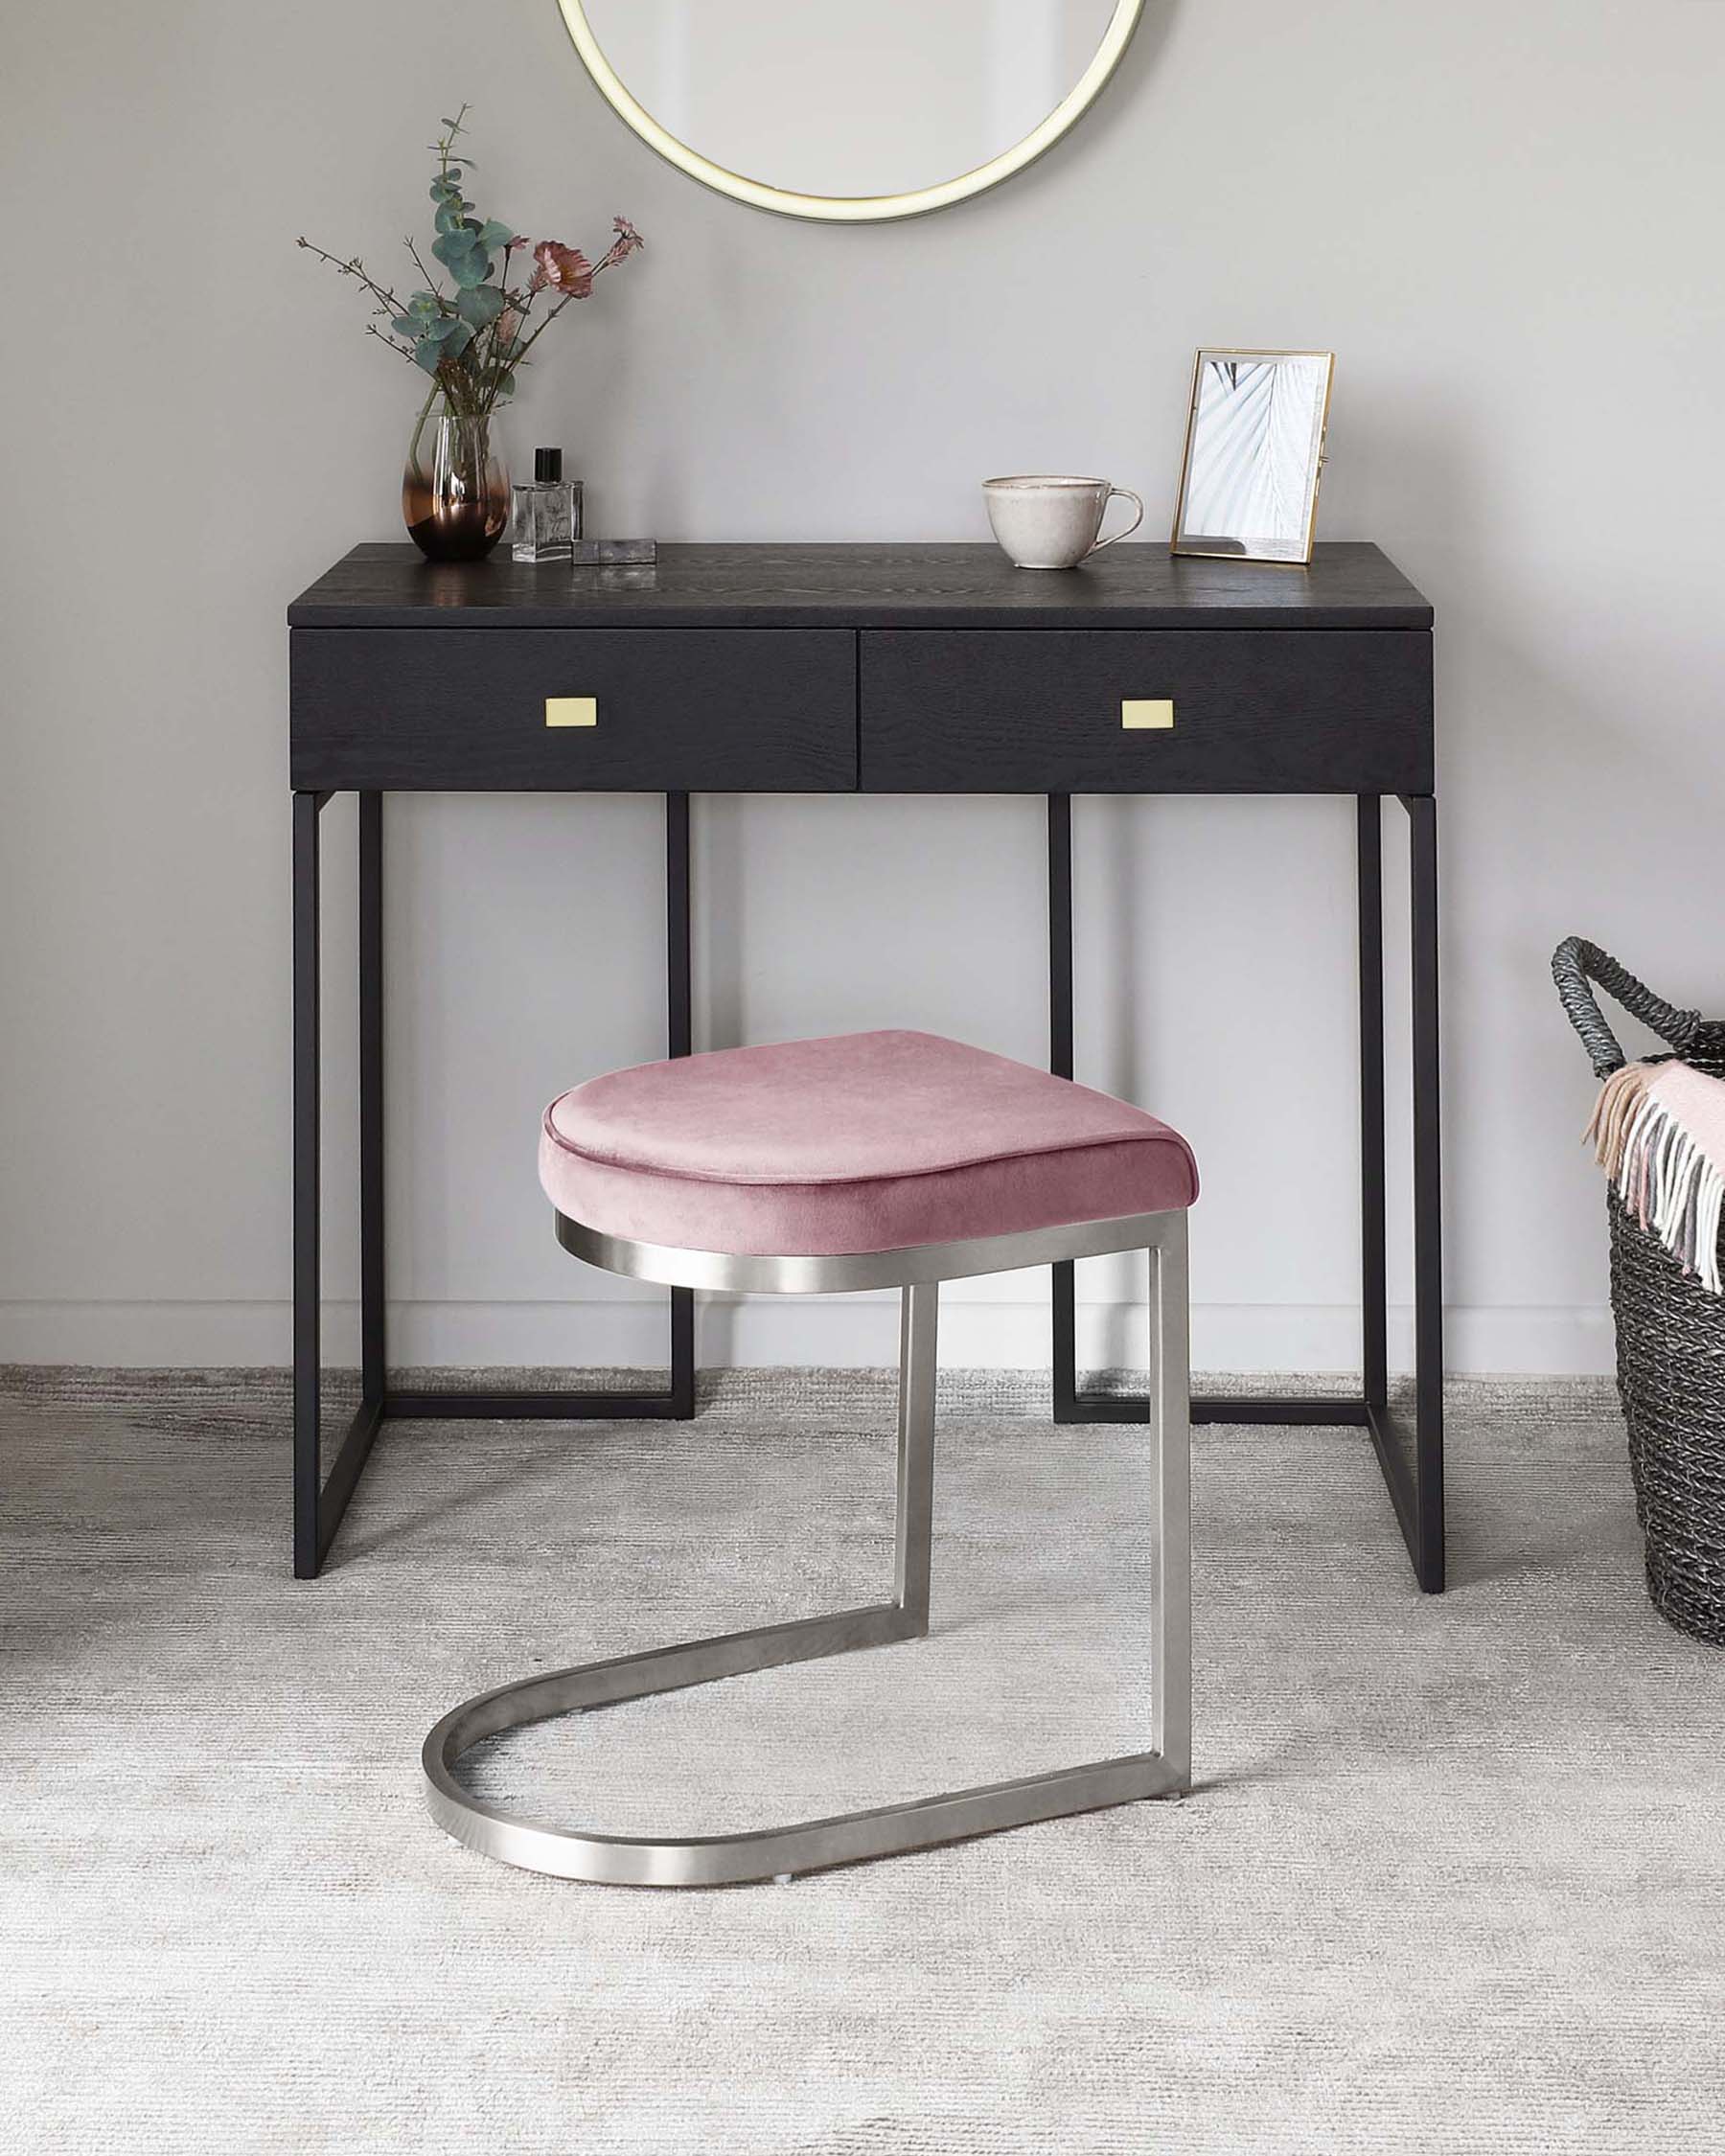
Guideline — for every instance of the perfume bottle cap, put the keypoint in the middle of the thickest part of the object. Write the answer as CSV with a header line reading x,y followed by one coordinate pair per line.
x,y
547,464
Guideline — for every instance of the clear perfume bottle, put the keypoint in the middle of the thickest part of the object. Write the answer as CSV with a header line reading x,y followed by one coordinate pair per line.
x,y
547,512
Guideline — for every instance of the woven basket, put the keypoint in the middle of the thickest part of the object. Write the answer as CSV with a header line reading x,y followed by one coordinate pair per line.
x,y
1670,1330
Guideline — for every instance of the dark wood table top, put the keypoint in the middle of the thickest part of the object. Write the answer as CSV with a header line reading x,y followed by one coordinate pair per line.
x,y
1350,584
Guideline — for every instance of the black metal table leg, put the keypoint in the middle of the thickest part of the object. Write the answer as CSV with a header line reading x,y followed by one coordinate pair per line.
x,y
373,1351
319,1503
1428,1201
1375,1289
306,1278
1418,1491
1413,1471
679,1027
1064,1278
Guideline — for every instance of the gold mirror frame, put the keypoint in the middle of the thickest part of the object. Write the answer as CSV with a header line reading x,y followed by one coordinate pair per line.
x,y
856,209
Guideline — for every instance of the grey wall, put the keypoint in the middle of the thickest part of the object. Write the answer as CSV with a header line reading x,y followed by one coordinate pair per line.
x,y
1504,219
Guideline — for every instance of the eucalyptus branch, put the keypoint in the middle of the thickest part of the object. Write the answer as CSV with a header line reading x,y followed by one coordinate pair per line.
x,y
471,347
448,142
430,282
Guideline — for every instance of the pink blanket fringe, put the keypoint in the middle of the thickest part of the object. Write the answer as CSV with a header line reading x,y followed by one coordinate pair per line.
x,y
1658,1130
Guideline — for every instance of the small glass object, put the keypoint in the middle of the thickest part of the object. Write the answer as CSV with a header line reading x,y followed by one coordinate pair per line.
x,y
615,554
547,512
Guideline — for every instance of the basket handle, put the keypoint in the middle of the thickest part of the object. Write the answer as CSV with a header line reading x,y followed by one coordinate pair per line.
x,y
1575,964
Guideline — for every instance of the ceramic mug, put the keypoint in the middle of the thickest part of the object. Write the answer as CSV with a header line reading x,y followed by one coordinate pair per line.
x,y
1047,522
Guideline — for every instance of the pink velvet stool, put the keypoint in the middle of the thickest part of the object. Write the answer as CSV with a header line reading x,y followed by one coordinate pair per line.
x,y
811,1167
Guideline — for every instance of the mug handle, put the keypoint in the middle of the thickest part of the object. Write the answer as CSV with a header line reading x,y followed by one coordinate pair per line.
x,y
1126,494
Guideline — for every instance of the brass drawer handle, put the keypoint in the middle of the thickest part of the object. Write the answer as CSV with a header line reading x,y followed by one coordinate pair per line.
x,y
571,711
1147,711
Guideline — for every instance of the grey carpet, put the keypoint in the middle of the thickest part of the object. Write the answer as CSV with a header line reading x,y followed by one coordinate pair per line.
x,y
1454,1878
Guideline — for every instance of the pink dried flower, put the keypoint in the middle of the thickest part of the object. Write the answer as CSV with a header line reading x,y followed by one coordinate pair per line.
x,y
628,240
565,269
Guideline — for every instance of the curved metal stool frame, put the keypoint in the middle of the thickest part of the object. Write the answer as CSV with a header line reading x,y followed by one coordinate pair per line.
x,y
811,1844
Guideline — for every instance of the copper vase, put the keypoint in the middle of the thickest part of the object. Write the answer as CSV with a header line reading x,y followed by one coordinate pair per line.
x,y
454,489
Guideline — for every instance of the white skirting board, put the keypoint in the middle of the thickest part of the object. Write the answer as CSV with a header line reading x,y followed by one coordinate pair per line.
x,y
815,1331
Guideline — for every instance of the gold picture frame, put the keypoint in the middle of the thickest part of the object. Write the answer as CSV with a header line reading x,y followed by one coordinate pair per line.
x,y
1256,441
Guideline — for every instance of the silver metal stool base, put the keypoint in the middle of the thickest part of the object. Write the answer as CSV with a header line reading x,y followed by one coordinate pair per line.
x,y
889,1829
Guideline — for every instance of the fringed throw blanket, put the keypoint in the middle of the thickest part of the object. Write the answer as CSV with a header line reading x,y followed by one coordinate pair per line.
x,y
1659,1131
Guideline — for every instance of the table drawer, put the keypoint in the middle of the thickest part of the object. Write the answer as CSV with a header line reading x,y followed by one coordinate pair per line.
x,y
627,710
1217,711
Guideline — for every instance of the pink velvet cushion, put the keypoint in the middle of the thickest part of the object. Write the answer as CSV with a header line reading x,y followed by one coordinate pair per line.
x,y
860,1141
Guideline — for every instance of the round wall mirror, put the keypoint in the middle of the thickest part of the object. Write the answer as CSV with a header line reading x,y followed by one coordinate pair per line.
x,y
851,109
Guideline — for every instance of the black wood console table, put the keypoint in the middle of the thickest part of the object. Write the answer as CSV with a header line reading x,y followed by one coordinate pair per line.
x,y
881,670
